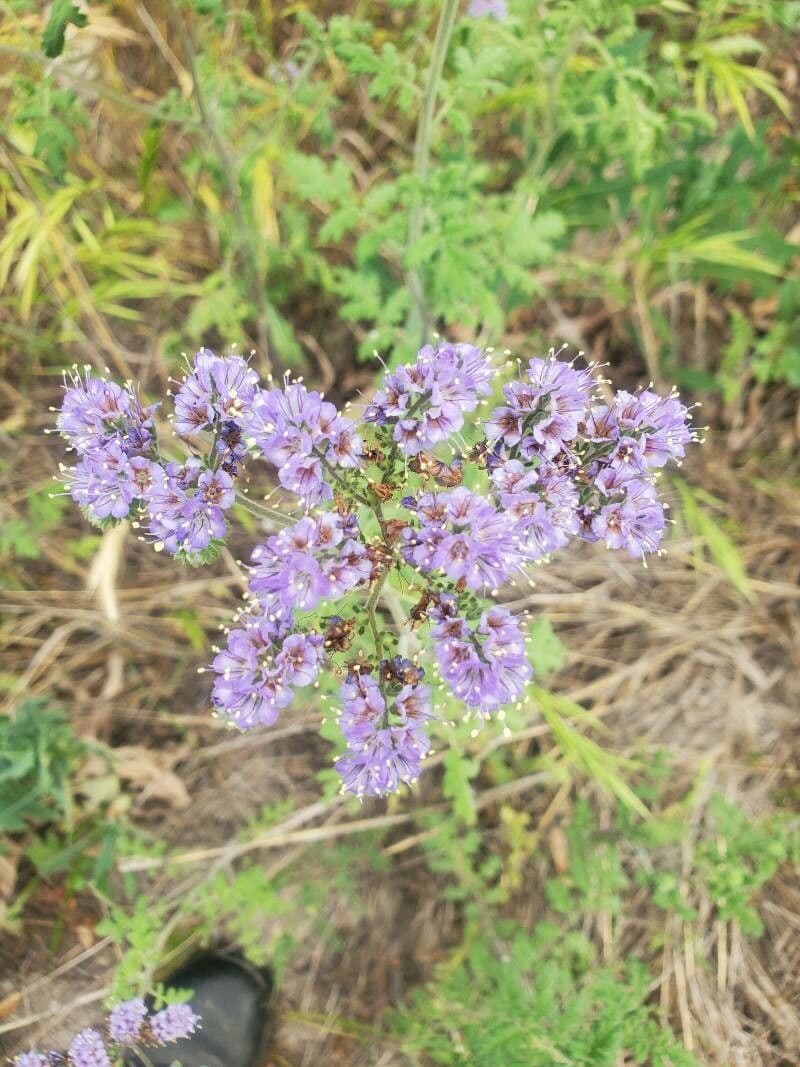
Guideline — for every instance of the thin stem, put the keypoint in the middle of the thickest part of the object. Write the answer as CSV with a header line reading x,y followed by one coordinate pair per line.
x,y
340,481
259,510
417,317
369,608
244,231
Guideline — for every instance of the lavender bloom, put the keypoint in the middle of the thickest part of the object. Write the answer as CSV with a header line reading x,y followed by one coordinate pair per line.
x,y
485,666
126,1021
463,535
311,561
481,9
560,464
186,505
95,411
386,743
216,389
174,1023
544,502
259,668
300,433
543,411
87,1050
659,422
103,483
635,523
425,401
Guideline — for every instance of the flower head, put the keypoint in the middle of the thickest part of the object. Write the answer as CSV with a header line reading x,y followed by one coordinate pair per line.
x,y
126,1021
87,1050
174,1023
425,401
486,665
216,390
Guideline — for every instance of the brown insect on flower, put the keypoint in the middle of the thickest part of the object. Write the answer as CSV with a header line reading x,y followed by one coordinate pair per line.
x,y
360,665
381,559
479,453
420,610
374,455
446,475
392,529
338,633
381,490
341,504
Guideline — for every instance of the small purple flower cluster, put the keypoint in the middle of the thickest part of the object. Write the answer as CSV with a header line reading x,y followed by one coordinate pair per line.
x,y
485,665
424,402
304,436
563,464
463,535
554,462
319,558
383,722
128,1025
260,668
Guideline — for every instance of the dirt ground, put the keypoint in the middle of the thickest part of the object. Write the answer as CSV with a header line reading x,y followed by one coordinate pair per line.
x,y
670,657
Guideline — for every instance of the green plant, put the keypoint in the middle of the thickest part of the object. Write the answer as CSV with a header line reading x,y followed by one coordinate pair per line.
x,y
535,1000
59,819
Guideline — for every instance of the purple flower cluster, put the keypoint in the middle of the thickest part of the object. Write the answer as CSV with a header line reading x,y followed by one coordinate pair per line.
x,y
304,436
384,727
319,558
128,1025
563,464
259,669
215,392
425,401
556,461
462,534
121,474
486,665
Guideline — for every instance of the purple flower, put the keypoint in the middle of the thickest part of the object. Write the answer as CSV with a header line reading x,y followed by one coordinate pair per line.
x,y
126,1020
543,411
298,431
313,560
216,489
481,9
426,400
389,758
87,1050
103,483
384,730
463,535
635,523
258,669
485,666
174,1023
216,389
91,408
660,422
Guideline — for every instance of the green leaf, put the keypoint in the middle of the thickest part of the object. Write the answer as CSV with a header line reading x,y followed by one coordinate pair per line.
x,y
62,14
720,546
547,650
459,770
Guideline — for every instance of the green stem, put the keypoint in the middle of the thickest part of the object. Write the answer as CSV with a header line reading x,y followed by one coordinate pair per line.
x,y
340,481
244,234
417,316
369,608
